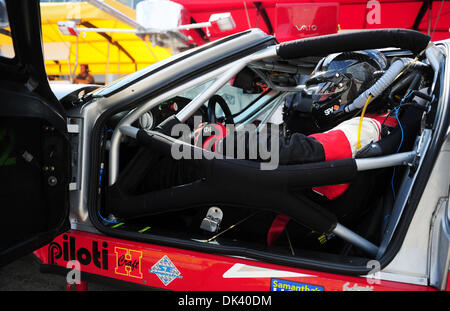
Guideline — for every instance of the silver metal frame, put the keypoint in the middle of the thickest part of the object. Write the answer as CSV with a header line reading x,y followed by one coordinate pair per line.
x,y
140,110
355,239
403,158
262,102
404,192
269,108
439,252
273,107
236,67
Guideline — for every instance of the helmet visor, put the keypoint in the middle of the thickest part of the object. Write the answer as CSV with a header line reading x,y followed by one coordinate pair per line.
x,y
324,85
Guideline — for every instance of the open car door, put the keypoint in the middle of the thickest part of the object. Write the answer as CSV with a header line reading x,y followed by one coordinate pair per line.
x,y
34,149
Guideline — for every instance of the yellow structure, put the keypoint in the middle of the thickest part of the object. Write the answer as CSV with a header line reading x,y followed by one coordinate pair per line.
x,y
105,53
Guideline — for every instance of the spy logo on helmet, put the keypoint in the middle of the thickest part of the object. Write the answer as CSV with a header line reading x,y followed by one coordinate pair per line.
x,y
166,271
328,111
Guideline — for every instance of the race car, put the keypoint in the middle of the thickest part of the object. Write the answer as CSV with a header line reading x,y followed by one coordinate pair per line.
x,y
138,181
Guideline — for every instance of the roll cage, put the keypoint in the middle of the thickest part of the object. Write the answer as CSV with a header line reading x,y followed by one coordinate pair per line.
x,y
310,214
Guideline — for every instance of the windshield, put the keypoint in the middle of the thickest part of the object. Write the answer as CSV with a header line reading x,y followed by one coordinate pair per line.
x,y
235,97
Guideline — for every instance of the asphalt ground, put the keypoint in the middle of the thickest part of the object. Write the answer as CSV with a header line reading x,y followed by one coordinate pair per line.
x,y
24,275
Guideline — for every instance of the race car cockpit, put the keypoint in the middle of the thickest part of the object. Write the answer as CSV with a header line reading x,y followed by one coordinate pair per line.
x,y
287,148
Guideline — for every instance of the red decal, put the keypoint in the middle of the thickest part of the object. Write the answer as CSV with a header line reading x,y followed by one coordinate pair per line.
x,y
128,262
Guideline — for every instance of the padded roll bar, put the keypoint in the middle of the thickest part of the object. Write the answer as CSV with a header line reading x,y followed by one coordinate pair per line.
x,y
354,40
299,175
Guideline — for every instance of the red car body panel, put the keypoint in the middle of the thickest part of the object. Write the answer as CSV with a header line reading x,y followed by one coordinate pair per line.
x,y
182,270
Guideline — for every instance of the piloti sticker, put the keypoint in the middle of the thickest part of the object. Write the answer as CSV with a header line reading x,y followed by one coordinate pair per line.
x,y
69,250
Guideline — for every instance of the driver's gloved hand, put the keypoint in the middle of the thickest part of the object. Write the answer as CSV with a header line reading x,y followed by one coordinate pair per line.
x,y
342,141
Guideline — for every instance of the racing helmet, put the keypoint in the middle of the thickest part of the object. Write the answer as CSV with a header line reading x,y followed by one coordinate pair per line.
x,y
337,80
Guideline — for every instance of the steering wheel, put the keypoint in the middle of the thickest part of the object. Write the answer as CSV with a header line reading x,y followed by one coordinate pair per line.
x,y
217,99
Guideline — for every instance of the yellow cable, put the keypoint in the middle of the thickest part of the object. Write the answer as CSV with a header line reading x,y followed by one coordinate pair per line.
x,y
358,142
406,68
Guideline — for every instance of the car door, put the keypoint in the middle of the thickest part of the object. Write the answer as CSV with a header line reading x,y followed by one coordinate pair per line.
x,y
34,149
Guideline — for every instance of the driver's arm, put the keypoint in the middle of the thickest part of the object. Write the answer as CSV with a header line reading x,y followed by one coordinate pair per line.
x,y
338,143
